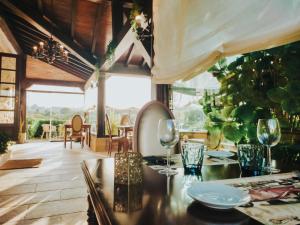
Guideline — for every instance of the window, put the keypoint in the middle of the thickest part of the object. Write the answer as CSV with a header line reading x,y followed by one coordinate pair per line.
x,y
90,102
125,96
8,65
186,96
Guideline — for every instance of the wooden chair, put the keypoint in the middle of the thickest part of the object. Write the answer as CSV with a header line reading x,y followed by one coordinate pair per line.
x,y
77,130
126,132
46,131
145,138
61,130
125,120
53,131
121,142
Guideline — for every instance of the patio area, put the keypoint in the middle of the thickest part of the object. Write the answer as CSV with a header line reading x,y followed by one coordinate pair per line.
x,y
149,112
54,193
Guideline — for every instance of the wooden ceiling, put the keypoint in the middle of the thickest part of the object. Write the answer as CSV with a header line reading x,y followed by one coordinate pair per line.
x,y
36,68
8,43
85,26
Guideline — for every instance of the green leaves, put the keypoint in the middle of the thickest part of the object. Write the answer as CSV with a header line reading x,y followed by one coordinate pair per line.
x,y
215,116
277,94
293,88
232,133
256,85
291,106
245,113
4,139
218,70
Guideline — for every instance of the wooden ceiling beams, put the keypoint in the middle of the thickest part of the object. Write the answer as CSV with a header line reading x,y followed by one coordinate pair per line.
x,y
127,40
140,48
73,17
85,28
70,67
74,66
40,6
129,55
117,17
47,27
33,40
8,39
96,28
28,36
131,70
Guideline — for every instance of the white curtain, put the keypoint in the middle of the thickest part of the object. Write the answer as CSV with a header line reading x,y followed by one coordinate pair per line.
x,y
191,35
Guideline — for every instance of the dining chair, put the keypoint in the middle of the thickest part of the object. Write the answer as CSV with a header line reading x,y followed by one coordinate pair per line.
x,y
145,139
121,141
46,131
61,131
125,120
126,129
77,130
53,131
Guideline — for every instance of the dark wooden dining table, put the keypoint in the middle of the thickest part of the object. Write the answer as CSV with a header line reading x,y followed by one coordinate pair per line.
x,y
159,200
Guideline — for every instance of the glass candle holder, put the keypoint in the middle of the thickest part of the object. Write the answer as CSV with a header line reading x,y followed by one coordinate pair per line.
x,y
128,168
128,198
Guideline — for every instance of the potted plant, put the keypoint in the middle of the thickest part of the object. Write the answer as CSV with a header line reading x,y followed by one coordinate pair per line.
x,y
256,85
4,143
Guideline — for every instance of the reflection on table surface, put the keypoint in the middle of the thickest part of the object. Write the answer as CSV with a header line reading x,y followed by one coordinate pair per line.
x,y
163,200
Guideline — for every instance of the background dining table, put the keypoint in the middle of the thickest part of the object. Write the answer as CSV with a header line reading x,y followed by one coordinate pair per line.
x,y
124,129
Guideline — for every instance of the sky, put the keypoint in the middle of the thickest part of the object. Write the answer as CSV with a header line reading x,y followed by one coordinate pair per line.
x,y
55,100
121,92
124,92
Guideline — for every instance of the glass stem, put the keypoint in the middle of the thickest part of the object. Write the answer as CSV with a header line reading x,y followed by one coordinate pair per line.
x,y
168,158
269,160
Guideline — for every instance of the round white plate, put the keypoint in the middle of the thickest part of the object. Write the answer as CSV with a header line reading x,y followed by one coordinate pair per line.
x,y
218,196
219,154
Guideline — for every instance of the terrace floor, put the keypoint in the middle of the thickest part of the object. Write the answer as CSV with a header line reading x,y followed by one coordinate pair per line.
x,y
54,193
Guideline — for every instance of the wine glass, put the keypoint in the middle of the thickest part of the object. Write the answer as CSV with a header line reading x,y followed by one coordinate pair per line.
x,y
168,136
268,134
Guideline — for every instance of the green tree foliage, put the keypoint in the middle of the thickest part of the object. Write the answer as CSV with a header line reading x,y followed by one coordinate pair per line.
x,y
256,85
36,128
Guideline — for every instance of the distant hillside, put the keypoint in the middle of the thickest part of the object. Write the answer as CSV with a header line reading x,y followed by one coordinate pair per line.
x,y
57,113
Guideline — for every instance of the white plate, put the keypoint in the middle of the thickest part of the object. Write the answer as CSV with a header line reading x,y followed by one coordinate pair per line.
x,y
219,154
218,196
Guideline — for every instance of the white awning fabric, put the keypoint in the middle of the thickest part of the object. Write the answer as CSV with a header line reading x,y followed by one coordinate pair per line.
x,y
191,35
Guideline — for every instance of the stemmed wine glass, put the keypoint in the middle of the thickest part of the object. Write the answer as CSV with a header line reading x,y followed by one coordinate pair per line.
x,y
168,136
269,134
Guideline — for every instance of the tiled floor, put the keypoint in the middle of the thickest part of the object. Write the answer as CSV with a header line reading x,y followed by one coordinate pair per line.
x,y
54,193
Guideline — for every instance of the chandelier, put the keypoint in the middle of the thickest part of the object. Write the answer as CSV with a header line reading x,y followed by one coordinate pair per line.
x,y
51,51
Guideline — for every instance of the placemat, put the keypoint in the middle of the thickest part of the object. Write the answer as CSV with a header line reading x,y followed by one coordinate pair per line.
x,y
277,205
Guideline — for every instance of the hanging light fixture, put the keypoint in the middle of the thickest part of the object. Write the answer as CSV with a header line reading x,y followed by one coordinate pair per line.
x,y
51,51
143,26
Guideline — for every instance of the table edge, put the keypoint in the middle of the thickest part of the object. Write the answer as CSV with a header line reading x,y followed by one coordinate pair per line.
x,y
102,217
